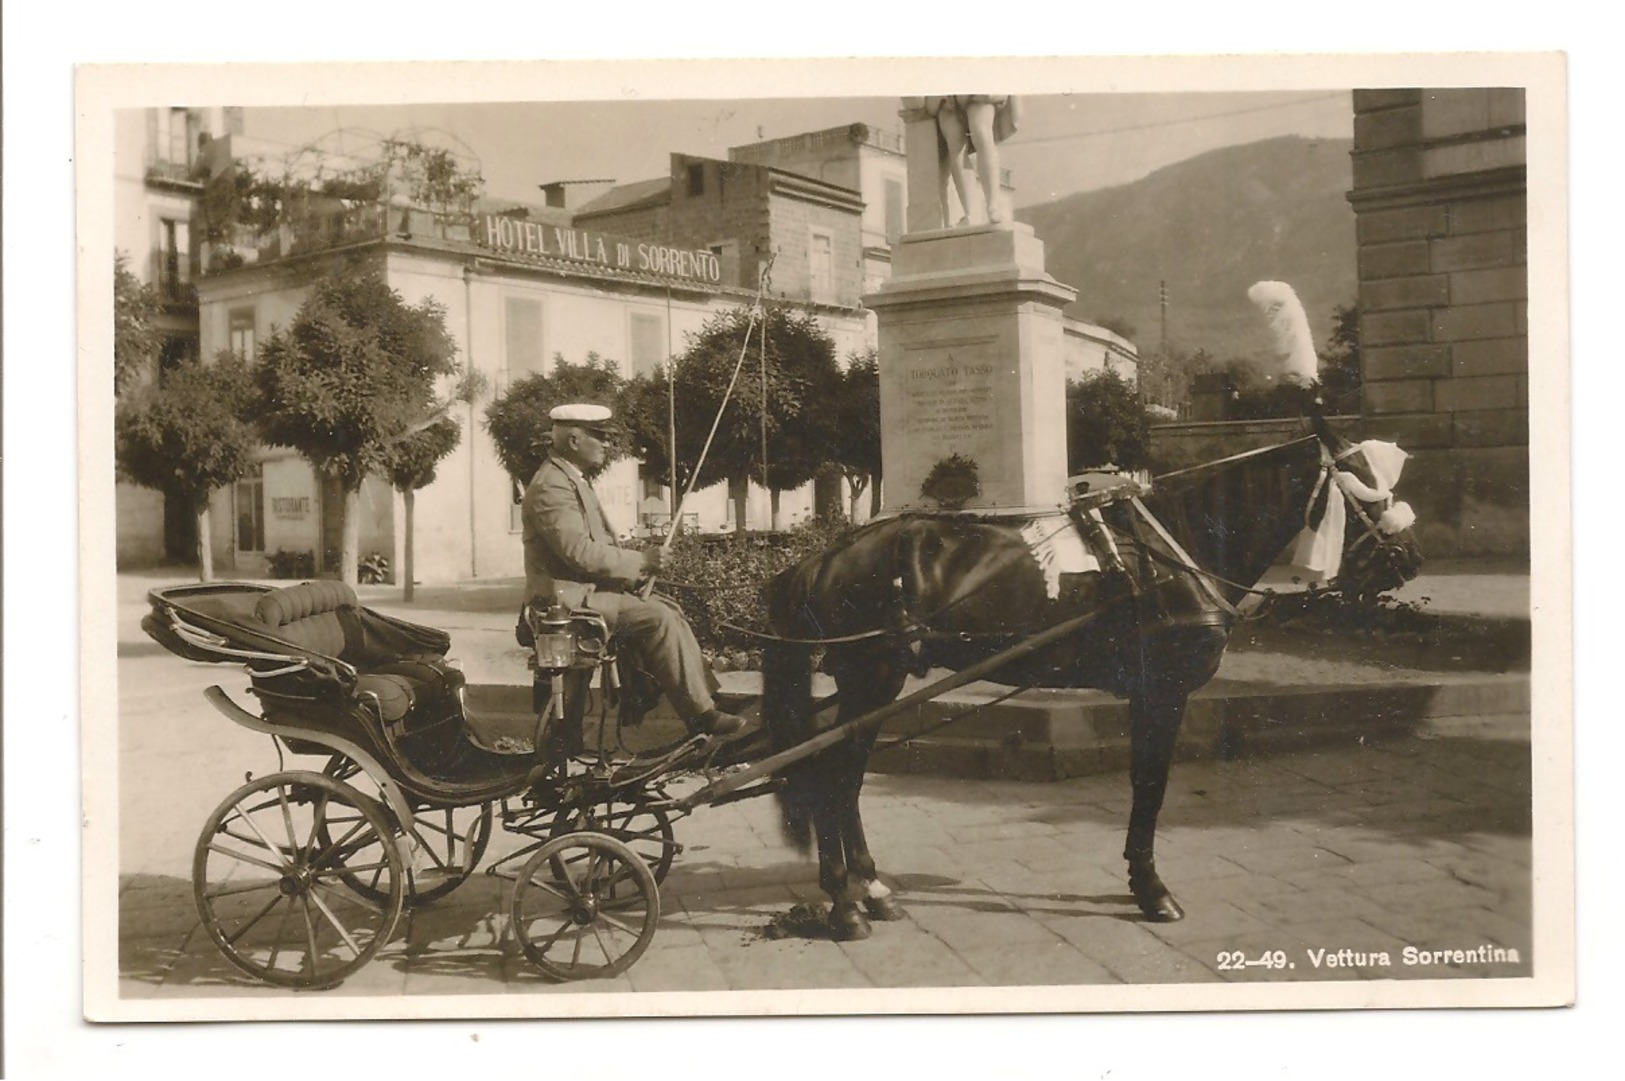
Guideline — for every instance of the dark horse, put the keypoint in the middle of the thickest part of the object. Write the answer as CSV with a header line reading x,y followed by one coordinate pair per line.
x,y
917,591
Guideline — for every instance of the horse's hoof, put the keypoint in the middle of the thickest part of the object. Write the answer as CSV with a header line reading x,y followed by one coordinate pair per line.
x,y
1161,908
883,908
850,924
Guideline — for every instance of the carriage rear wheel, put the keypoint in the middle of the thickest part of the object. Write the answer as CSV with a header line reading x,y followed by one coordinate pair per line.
x,y
267,882
451,841
585,907
645,830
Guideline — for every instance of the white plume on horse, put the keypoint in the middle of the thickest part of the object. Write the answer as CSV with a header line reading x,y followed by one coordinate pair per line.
x,y
1294,343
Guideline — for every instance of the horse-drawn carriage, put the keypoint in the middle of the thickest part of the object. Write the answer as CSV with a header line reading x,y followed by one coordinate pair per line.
x,y
301,875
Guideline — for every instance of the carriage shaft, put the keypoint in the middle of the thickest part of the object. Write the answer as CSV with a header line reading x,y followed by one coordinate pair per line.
x,y
825,740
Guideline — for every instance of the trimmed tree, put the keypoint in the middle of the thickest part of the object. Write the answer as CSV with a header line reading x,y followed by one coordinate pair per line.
x,y
1105,424
137,341
802,389
352,376
1340,362
412,463
857,428
518,422
189,433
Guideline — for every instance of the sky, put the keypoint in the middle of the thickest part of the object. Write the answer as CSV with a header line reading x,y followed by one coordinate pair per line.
x,y
1065,144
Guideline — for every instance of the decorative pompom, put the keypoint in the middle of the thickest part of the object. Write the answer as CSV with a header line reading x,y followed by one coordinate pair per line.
x,y
1290,326
1396,519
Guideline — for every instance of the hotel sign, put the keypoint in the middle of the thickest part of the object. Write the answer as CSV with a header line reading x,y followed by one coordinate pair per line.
x,y
514,236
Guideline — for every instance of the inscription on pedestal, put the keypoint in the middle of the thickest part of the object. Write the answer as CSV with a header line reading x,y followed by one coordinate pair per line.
x,y
950,401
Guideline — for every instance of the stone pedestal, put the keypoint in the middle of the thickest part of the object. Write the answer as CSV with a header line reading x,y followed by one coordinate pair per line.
x,y
971,364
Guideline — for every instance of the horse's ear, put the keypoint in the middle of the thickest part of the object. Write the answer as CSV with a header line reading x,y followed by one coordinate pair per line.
x,y
1330,439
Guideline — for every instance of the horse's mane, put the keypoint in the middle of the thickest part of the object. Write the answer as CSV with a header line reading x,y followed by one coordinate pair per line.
x,y
1234,515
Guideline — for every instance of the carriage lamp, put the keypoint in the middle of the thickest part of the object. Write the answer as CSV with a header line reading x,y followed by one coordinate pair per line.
x,y
555,644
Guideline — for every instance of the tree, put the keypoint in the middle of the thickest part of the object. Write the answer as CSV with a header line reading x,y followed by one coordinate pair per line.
x,y
802,388
1340,362
1105,424
349,378
188,434
137,341
412,463
518,420
856,445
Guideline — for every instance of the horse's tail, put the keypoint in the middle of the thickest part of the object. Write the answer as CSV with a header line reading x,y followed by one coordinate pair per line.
x,y
787,712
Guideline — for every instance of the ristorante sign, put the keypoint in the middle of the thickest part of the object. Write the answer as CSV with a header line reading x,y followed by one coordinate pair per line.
x,y
518,237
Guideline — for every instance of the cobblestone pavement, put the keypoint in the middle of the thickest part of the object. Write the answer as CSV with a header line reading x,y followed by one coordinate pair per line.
x,y
1421,841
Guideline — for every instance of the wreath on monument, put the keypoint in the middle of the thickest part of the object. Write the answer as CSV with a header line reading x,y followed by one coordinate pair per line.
x,y
952,482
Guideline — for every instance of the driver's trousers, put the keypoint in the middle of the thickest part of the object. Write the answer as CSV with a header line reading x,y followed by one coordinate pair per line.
x,y
656,635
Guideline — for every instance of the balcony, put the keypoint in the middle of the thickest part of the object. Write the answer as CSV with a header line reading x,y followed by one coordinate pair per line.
x,y
173,174
172,274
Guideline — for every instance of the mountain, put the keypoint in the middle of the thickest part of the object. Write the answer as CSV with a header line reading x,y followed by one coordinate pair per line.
x,y
1210,227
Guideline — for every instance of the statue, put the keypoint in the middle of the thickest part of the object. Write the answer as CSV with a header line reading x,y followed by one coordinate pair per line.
x,y
979,123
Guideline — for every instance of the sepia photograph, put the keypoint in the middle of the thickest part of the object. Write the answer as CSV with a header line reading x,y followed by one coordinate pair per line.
x,y
626,541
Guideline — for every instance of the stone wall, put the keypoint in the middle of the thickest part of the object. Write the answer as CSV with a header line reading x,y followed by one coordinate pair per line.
x,y
1440,197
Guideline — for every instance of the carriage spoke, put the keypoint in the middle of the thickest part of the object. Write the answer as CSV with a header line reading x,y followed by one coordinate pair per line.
x,y
264,839
245,928
246,858
354,899
310,932
276,943
287,816
245,887
316,900
613,922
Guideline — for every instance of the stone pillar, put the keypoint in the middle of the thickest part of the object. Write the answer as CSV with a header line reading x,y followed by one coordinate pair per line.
x,y
971,364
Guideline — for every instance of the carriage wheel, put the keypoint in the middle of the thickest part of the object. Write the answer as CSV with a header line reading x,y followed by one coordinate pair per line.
x,y
595,918
451,841
267,883
645,830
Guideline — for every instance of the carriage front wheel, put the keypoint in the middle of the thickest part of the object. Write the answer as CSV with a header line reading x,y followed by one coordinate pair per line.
x,y
269,880
585,907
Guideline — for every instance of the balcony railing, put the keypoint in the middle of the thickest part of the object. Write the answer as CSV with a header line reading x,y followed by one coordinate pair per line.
x,y
171,172
172,274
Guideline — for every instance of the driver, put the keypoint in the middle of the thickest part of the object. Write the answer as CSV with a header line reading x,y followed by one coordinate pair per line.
x,y
571,559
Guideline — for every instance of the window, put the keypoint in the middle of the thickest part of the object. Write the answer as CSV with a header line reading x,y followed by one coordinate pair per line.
x,y
522,336
174,257
894,207
179,148
696,179
240,333
727,253
248,496
821,266
647,350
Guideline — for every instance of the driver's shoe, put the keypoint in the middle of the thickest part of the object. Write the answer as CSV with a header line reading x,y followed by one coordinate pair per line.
x,y
714,722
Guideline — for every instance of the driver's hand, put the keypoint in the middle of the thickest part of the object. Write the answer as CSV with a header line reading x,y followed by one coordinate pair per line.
x,y
654,560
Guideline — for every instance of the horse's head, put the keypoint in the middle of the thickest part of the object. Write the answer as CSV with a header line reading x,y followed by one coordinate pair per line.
x,y
1380,550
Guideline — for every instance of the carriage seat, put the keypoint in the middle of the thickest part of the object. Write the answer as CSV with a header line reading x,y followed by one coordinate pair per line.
x,y
313,616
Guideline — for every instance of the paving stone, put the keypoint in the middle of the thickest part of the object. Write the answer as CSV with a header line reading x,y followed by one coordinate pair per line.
x,y
1057,962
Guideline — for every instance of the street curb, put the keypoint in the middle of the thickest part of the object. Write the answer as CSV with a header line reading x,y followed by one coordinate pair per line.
x,y
1050,736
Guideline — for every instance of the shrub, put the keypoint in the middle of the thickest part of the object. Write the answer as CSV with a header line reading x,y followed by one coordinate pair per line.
x,y
718,579
286,564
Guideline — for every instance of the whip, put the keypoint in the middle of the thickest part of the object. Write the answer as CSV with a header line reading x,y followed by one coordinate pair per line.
x,y
764,280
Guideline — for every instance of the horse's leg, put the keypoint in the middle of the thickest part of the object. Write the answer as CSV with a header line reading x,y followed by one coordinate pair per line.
x,y
867,683
876,897
1154,719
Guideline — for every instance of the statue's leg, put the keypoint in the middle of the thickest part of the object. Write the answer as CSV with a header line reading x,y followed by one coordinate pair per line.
x,y
956,137
979,119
